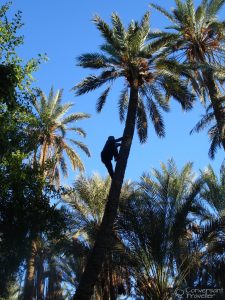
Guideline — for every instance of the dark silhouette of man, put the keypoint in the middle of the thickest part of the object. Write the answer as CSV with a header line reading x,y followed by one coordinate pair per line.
x,y
109,151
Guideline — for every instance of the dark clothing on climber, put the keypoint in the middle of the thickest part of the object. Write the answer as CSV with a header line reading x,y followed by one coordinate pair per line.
x,y
109,151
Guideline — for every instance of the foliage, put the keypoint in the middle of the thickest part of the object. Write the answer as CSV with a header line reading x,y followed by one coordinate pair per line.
x,y
127,54
197,39
50,125
25,209
87,200
155,225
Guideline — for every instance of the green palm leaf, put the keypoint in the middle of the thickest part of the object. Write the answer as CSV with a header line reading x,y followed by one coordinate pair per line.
x,y
123,104
102,99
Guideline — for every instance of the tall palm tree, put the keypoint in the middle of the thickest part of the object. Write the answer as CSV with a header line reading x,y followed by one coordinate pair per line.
x,y
51,125
198,40
148,83
87,200
156,225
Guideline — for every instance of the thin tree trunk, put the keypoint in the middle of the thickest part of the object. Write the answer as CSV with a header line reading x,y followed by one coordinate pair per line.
x,y
103,239
40,278
29,292
43,156
218,109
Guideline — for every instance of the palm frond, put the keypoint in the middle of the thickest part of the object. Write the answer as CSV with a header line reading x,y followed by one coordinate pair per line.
x,y
102,99
114,54
54,100
161,42
156,117
159,97
123,104
63,166
78,130
75,117
200,11
81,146
144,25
178,90
56,176
215,141
93,61
62,128
105,30
142,122
59,111
92,82
163,11
191,11
51,94
37,105
214,7
43,102
74,158
203,123
119,31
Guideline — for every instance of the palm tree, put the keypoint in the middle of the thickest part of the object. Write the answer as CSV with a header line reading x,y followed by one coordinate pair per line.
x,y
156,225
87,200
198,40
148,83
212,235
50,126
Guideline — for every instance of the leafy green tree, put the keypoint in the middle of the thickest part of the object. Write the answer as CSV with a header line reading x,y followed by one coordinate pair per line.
x,y
15,85
198,40
156,225
148,83
43,235
25,208
12,68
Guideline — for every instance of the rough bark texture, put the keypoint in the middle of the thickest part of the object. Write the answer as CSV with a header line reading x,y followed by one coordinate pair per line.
x,y
103,240
29,292
218,109
40,278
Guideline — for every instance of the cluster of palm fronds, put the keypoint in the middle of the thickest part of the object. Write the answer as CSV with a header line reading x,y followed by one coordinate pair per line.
x,y
169,234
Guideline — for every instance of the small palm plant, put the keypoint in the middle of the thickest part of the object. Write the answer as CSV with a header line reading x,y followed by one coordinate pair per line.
x,y
149,81
51,125
197,39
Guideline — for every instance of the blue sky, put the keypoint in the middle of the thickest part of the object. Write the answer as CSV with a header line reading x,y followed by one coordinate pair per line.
x,y
64,30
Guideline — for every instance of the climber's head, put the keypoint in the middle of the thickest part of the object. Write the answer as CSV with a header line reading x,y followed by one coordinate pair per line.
x,y
111,138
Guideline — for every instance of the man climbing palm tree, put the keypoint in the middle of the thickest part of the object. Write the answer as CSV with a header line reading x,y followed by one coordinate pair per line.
x,y
148,84
109,151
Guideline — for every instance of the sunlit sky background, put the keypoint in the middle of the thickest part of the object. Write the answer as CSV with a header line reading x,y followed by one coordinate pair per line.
x,y
64,30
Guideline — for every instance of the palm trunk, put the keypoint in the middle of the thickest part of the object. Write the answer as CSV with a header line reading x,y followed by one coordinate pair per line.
x,y
103,239
40,278
218,109
43,156
29,291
